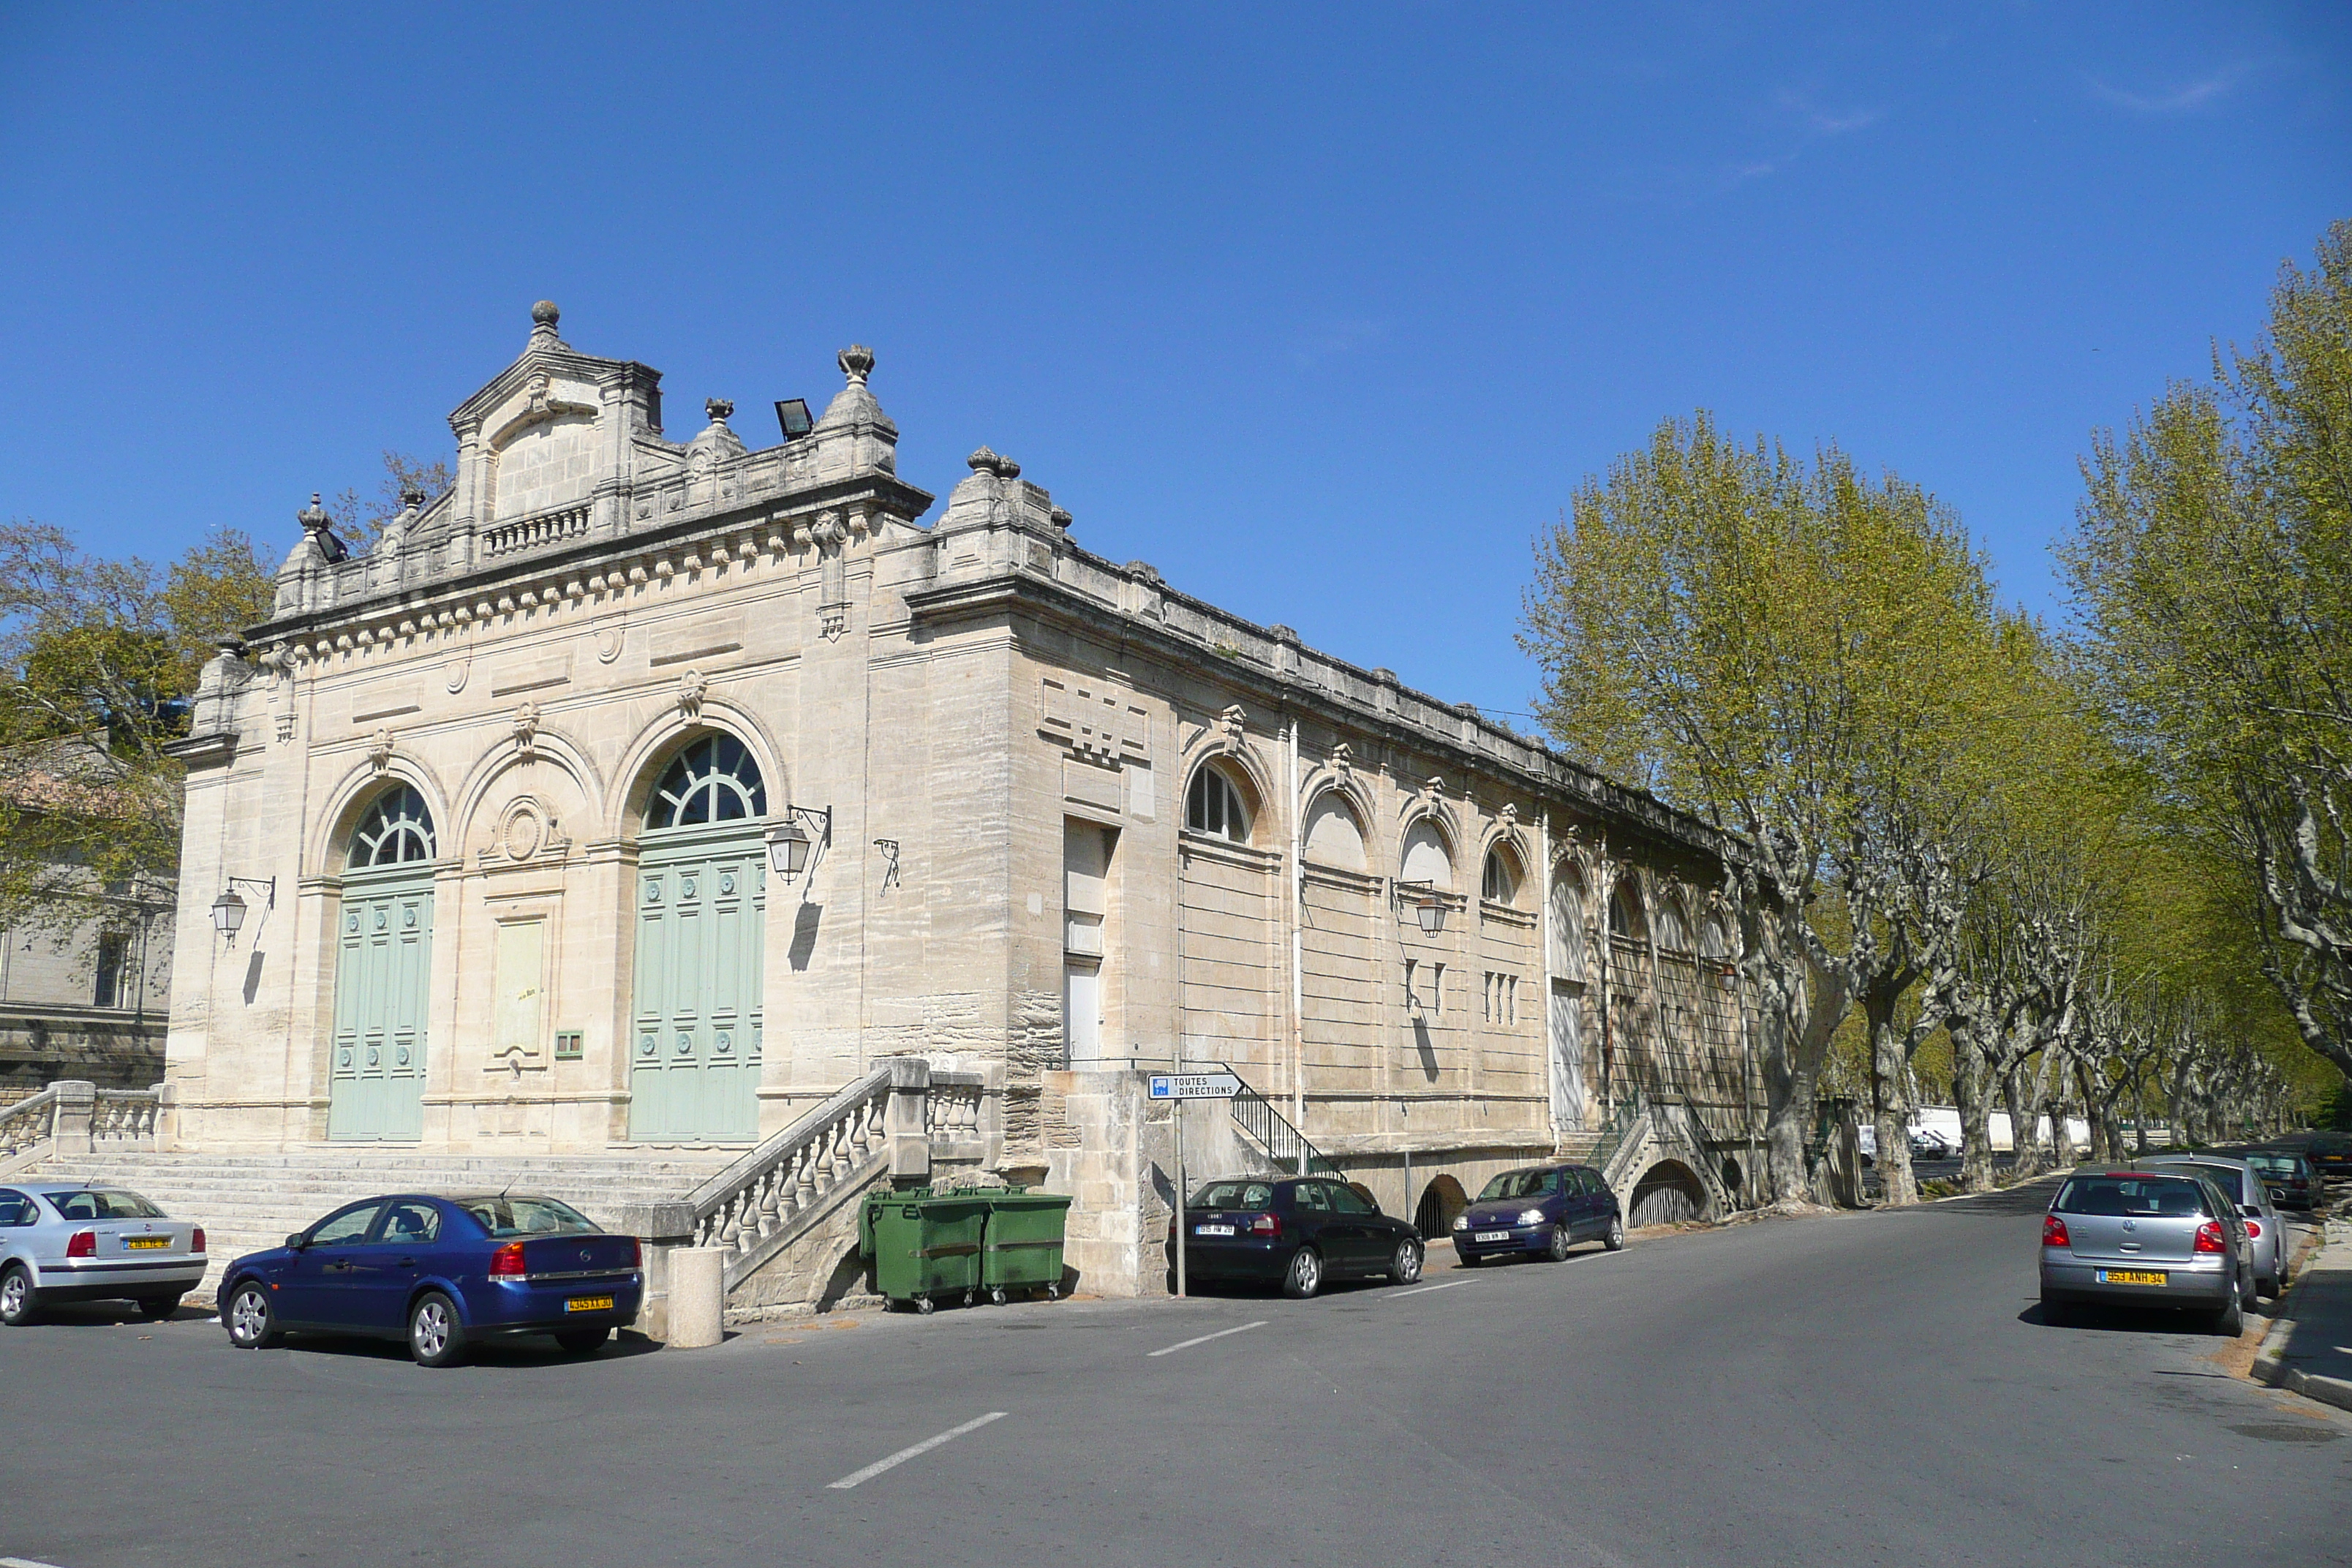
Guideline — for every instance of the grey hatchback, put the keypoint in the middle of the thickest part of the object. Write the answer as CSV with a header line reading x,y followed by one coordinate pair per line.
x,y
82,1242
2147,1236
2239,1179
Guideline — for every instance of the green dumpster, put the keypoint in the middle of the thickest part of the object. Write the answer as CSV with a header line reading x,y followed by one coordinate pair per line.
x,y
1023,1245
923,1245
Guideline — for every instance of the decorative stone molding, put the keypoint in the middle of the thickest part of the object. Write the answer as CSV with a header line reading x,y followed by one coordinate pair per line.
x,y
526,728
1343,761
380,751
692,687
1233,720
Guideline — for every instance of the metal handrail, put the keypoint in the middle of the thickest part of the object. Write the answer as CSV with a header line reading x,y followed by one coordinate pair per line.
x,y
1283,1143
1619,1127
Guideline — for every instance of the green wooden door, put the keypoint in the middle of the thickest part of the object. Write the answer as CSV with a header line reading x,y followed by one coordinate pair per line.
x,y
694,1062
383,971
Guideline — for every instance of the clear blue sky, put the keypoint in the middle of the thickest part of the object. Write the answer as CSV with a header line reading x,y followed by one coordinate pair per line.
x,y
1323,311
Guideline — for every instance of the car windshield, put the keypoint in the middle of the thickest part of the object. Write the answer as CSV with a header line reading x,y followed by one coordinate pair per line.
x,y
525,1216
1235,1195
1518,1184
2160,1197
101,1202
2228,1178
2282,1164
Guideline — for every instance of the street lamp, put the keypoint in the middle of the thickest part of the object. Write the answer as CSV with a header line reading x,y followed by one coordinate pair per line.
x,y
1429,907
789,842
228,910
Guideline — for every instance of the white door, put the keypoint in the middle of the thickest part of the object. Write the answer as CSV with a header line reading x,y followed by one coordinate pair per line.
x,y
1567,1057
1082,1011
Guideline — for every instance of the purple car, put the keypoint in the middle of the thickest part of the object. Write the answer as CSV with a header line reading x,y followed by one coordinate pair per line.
x,y
1541,1209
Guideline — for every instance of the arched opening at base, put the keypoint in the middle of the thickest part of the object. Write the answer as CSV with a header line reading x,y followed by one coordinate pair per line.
x,y
1668,1191
1439,1202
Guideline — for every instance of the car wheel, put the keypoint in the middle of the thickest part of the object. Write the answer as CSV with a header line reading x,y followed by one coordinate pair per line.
x,y
1615,1240
19,1302
1405,1267
2230,1321
582,1341
158,1308
436,1337
251,1322
1304,1275
1560,1242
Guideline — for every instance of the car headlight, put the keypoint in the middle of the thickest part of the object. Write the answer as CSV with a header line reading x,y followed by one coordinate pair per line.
x,y
1531,1216
1462,1222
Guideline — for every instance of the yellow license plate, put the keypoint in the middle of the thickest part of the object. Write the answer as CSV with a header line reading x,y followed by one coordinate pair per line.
x,y
599,1304
146,1244
2130,1277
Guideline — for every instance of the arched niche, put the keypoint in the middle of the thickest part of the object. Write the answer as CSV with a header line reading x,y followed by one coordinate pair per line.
x,y
1427,856
1335,832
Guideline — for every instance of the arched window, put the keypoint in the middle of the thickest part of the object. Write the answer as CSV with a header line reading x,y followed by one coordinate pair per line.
x,y
1568,926
1714,941
1426,858
1626,913
713,780
1215,805
1673,933
394,830
1334,837
1500,882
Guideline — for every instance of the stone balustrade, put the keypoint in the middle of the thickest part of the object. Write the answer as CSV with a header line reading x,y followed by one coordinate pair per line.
x,y
74,1116
543,529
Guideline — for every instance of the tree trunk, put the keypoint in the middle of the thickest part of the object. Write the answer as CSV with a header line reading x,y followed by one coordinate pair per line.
x,y
2025,1148
1971,1081
1890,1110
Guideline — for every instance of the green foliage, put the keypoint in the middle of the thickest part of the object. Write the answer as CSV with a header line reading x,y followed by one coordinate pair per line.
x,y
361,522
2211,566
99,662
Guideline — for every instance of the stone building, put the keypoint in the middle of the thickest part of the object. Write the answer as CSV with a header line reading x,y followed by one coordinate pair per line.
x,y
512,798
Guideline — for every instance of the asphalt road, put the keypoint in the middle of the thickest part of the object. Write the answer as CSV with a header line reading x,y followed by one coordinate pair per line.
x,y
1856,1389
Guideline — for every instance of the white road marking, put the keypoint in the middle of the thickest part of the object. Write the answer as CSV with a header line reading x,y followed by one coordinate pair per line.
x,y
903,1454
1205,1339
1426,1290
23,1563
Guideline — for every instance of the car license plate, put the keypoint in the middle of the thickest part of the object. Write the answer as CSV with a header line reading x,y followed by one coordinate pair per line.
x,y
2129,1276
146,1244
1213,1230
1491,1236
589,1304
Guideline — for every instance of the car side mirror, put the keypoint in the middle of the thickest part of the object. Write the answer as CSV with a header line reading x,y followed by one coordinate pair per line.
x,y
298,1240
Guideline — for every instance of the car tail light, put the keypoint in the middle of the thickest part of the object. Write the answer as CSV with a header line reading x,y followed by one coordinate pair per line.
x,y
2053,1232
2254,1229
83,1244
196,1241
506,1263
636,1253
1265,1224
2210,1237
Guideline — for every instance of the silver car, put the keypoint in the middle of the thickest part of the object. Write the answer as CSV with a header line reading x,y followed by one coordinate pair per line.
x,y
2147,1236
2239,1179
81,1242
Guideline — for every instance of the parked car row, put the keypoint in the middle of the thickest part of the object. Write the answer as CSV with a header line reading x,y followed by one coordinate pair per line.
x,y
440,1273
1301,1233
2193,1232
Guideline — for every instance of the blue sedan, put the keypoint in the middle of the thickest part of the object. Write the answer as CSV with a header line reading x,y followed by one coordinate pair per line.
x,y
1544,1209
439,1272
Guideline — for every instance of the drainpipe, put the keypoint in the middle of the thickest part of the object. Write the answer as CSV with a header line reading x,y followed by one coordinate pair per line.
x,y
1297,959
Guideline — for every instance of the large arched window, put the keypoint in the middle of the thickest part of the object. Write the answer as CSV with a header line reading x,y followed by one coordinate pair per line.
x,y
395,829
1426,856
1215,805
713,780
1334,837
1626,913
1499,882
1567,925
1674,931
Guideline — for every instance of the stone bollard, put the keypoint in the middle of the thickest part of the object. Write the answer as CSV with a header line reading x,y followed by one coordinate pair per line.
x,y
698,1296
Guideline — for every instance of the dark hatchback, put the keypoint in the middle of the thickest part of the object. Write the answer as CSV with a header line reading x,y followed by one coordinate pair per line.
x,y
2331,1156
2288,1175
1543,1209
1300,1231
439,1272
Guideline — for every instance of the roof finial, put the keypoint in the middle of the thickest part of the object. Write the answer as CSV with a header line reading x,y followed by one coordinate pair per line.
x,y
313,518
856,362
543,317
719,409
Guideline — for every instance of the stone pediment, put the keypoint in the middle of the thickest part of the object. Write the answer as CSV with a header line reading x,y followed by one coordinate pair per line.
x,y
550,371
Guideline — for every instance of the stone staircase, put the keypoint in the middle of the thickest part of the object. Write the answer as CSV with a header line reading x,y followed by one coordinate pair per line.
x,y
247,1202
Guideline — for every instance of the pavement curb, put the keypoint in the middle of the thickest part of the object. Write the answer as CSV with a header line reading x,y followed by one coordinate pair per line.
x,y
2271,1368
